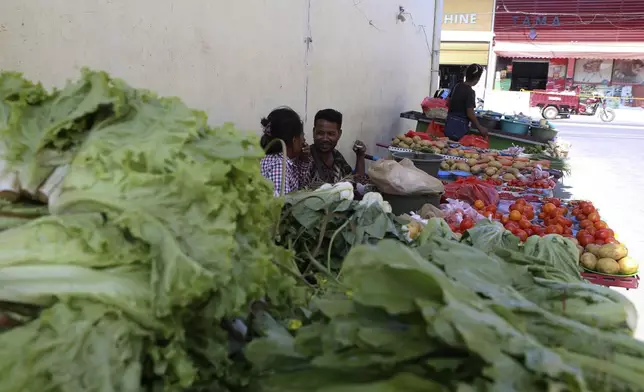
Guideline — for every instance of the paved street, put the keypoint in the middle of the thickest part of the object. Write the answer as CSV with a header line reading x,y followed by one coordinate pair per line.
x,y
604,170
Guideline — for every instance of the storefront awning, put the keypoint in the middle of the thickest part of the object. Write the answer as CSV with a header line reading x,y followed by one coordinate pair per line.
x,y
607,51
464,53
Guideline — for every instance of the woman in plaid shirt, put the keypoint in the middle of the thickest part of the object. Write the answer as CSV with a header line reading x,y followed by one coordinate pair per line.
x,y
285,124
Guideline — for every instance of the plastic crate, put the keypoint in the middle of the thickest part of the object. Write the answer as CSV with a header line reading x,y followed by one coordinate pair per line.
x,y
625,282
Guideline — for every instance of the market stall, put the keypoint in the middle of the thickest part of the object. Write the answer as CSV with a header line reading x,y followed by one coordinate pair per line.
x,y
142,250
499,139
523,178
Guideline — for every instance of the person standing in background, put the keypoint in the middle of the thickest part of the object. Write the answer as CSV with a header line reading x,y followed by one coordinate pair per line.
x,y
286,125
461,103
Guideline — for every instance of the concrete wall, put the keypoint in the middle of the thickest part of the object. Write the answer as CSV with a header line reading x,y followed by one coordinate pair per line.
x,y
238,59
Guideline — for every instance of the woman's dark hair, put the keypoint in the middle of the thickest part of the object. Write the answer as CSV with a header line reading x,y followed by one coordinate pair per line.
x,y
282,123
473,72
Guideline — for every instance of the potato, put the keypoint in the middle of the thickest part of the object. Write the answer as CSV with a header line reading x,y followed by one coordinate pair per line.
x,y
436,150
484,159
588,260
628,266
512,170
403,145
509,177
396,141
417,139
613,251
463,167
607,266
580,249
496,164
519,165
476,169
425,143
408,141
476,156
472,162
490,171
440,144
593,248
444,165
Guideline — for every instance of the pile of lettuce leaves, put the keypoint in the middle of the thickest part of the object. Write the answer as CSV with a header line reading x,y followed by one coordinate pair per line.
x,y
157,241
481,313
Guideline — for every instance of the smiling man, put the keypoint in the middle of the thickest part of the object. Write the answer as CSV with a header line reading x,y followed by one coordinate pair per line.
x,y
329,166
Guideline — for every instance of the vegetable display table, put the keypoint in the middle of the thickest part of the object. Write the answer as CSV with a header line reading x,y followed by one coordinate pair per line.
x,y
626,282
499,140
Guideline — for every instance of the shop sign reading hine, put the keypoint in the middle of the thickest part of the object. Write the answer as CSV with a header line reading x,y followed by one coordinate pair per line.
x,y
460,19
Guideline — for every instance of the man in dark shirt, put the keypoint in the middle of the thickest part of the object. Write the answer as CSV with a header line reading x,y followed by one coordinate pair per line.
x,y
329,166
462,102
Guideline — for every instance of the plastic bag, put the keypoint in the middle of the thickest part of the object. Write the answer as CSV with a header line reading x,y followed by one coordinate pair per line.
x,y
421,135
471,189
436,130
455,210
403,178
433,103
475,141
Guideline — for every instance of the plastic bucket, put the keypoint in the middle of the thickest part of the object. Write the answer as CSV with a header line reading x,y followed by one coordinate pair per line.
x,y
405,204
429,163
514,127
543,134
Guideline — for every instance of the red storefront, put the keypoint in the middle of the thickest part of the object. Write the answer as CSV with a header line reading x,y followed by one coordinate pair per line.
x,y
594,46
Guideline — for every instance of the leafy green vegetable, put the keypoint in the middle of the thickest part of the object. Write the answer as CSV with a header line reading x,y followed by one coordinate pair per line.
x,y
321,226
159,242
488,236
459,319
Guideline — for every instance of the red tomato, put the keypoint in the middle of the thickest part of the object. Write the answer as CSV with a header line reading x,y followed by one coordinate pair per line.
x,y
521,202
479,204
529,215
466,224
548,207
600,242
562,211
525,224
542,215
522,234
505,219
585,239
551,229
516,207
588,209
612,233
602,234
511,226
491,209
611,240
585,223
568,231
581,217
594,217
601,225
591,230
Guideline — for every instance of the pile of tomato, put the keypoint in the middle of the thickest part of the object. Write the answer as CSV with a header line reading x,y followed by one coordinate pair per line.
x,y
519,221
534,184
553,215
593,230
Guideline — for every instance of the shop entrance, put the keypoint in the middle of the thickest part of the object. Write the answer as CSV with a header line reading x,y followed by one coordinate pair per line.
x,y
529,75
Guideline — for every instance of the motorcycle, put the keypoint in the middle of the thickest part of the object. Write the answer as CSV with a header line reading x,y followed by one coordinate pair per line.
x,y
596,105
